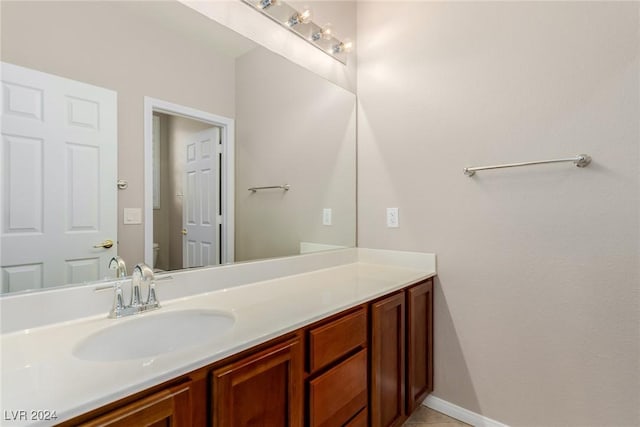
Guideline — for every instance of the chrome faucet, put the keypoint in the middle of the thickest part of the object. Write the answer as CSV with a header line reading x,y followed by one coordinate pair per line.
x,y
117,264
142,273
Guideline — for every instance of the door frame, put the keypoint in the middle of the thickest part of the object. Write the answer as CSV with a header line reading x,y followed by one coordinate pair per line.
x,y
227,134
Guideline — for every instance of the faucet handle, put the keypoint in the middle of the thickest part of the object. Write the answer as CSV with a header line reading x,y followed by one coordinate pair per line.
x,y
152,300
118,301
135,295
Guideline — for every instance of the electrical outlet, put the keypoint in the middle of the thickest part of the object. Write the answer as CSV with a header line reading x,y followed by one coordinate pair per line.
x,y
326,216
392,218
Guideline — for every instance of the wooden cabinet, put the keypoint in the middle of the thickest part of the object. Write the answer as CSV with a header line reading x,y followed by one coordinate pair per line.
x,y
388,361
371,365
338,369
171,408
419,343
262,389
401,354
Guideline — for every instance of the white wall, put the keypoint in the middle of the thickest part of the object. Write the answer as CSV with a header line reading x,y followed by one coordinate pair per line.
x,y
537,303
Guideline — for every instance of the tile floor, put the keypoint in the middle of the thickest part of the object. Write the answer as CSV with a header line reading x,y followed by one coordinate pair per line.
x,y
427,417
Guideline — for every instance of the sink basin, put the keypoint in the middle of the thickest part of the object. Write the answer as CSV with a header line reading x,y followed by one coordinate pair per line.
x,y
154,334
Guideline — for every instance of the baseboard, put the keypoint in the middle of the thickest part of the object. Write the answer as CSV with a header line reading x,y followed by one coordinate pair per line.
x,y
459,413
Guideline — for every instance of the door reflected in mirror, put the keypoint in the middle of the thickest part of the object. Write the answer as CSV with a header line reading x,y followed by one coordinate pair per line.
x,y
187,193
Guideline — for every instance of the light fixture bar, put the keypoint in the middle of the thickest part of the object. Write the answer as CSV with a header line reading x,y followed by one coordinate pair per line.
x,y
301,25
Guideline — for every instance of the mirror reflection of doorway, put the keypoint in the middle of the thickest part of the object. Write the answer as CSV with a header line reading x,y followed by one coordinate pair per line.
x,y
186,193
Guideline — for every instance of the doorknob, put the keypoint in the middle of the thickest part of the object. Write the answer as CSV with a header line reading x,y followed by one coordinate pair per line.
x,y
184,231
106,244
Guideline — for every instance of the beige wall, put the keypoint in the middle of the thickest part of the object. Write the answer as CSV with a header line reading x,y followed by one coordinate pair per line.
x,y
303,137
138,57
537,304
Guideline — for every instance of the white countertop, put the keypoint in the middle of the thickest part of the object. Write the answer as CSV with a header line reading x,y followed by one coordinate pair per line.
x,y
39,371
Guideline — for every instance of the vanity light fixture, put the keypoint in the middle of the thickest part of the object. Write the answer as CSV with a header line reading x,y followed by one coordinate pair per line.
x,y
300,23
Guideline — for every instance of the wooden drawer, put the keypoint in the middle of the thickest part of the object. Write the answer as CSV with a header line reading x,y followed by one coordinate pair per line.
x,y
359,420
329,342
340,393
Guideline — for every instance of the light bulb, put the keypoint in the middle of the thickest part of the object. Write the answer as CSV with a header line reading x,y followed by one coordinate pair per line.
x,y
265,4
303,17
324,33
345,46
327,32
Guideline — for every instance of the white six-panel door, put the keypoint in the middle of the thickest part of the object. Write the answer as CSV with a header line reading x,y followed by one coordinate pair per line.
x,y
59,167
199,206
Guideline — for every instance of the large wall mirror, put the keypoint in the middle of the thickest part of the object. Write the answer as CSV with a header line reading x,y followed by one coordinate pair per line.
x,y
138,129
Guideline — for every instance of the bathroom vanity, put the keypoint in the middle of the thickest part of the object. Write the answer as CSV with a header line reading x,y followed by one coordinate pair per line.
x,y
315,376
349,343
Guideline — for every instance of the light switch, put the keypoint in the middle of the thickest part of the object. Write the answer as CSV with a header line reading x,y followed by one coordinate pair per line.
x,y
392,218
326,216
132,216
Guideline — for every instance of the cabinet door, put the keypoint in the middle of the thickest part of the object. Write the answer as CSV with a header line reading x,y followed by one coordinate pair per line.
x,y
263,389
170,407
419,343
387,361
